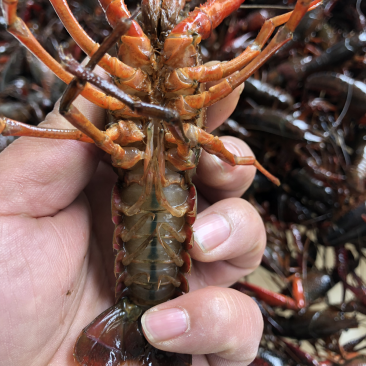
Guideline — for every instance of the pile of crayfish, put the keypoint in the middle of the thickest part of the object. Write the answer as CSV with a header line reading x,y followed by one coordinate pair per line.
x,y
304,116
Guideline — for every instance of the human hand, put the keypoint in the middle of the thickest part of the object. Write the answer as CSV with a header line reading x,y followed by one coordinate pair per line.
x,y
56,262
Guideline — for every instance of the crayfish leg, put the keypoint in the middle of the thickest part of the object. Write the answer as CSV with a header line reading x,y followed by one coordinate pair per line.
x,y
213,145
186,77
115,338
20,31
129,77
10,127
189,105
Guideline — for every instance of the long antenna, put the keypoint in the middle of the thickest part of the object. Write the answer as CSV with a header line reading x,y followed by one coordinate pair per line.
x,y
281,7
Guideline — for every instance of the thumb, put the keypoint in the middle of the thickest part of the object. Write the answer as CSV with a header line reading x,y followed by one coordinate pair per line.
x,y
212,320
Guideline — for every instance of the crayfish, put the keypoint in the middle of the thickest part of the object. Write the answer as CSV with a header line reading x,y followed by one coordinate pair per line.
x,y
156,104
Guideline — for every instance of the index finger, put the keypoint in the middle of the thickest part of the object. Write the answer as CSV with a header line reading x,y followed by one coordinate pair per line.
x,y
220,111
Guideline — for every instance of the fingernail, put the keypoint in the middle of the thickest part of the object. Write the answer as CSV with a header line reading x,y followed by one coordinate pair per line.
x,y
210,231
225,167
232,148
241,88
164,324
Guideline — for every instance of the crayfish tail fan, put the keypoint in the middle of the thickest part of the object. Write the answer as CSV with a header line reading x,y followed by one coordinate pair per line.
x,y
115,338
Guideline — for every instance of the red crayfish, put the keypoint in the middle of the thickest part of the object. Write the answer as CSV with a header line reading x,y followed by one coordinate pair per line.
x,y
156,107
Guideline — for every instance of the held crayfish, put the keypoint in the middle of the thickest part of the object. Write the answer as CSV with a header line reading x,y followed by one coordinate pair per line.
x,y
156,107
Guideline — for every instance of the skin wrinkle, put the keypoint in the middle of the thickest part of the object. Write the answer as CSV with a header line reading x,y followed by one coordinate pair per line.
x,y
67,325
9,319
100,272
32,288
104,254
59,235
43,180
235,346
249,269
206,274
255,252
234,314
37,227
65,336
42,346
225,314
220,306
235,183
79,286
15,259
227,169
63,238
96,281
219,361
257,228
68,260
201,275
200,360
226,172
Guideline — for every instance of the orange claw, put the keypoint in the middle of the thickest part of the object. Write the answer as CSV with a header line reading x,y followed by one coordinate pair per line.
x,y
220,91
298,291
183,156
214,145
275,299
126,75
181,43
135,49
271,298
19,30
285,17
186,78
206,18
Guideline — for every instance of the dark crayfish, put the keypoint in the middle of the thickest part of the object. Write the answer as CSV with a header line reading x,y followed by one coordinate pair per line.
x,y
156,105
